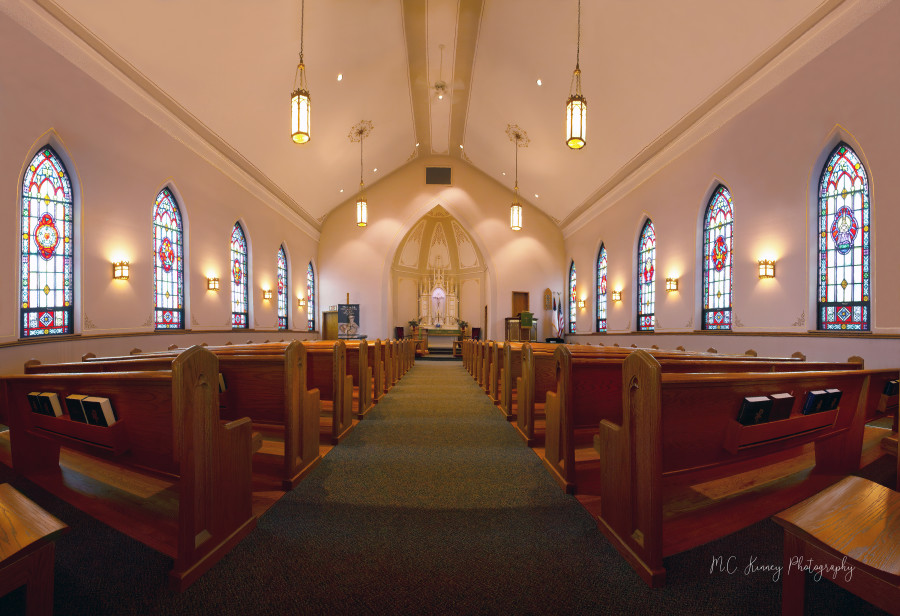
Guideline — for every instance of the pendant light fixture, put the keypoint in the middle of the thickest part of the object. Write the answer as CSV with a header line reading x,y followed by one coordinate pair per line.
x,y
576,106
300,105
520,138
358,133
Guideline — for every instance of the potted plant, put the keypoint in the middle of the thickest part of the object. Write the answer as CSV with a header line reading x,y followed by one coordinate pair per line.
x,y
462,327
414,326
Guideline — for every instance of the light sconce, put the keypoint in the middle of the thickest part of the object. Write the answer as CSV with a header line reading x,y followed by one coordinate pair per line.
x,y
301,302
767,268
581,303
212,284
267,294
120,270
671,284
617,295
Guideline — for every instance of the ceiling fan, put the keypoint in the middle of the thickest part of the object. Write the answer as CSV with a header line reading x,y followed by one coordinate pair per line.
x,y
440,89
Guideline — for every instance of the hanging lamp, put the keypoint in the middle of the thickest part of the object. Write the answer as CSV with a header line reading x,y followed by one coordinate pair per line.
x,y
300,105
358,133
576,106
520,138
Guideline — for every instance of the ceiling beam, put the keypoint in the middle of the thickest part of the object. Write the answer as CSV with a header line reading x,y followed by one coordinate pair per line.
x,y
467,27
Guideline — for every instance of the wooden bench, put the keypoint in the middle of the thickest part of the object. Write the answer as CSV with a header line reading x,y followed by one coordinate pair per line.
x,y
266,383
168,424
27,536
681,429
376,362
493,381
538,377
588,390
327,372
358,368
510,372
848,534
484,373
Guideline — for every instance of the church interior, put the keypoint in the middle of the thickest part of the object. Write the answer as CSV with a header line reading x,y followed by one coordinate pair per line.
x,y
631,295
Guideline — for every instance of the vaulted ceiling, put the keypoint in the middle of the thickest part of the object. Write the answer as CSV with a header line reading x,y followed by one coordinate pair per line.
x,y
649,68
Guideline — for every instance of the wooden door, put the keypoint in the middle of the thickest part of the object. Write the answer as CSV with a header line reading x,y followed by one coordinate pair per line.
x,y
519,302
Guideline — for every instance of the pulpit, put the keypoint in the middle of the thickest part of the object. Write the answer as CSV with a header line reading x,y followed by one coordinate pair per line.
x,y
517,332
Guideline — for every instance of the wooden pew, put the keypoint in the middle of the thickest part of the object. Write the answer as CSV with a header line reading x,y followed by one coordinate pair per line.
x,y
266,384
509,374
484,379
538,377
697,438
376,363
168,423
327,372
358,368
493,381
478,361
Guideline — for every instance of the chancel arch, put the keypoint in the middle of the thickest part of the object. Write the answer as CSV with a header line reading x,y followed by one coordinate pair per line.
x,y
438,274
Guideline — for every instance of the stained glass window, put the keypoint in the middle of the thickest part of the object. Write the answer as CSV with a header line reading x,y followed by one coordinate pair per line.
x,y
718,237
572,299
646,278
168,262
601,289
239,283
844,287
48,239
310,297
282,289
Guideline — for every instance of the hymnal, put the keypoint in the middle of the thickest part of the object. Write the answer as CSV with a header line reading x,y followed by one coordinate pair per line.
x,y
782,405
76,410
815,401
755,410
50,404
834,399
99,411
35,402
221,383
891,388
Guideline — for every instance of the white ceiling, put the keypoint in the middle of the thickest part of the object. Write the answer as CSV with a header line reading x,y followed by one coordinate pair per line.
x,y
647,65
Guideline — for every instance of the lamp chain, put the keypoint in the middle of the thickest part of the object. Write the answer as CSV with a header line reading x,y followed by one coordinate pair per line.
x,y
361,139
577,48
302,12
517,163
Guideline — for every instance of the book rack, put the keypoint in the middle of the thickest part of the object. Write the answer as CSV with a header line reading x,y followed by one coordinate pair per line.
x,y
113,439
739,437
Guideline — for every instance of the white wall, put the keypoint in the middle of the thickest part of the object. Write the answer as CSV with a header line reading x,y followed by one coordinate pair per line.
x,y
358,260
769,156
119,161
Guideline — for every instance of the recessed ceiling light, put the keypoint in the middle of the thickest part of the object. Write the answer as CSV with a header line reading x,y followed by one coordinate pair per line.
x,y
375,170
342,190
417,144
539,82
537,196
504,173
340,76
460,146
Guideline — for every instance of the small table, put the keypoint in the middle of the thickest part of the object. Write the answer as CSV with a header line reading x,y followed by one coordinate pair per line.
x,y
27,533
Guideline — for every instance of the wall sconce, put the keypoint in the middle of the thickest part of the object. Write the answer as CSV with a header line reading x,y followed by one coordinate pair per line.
x,y
767,268
301,302
617,295
671,284
267,294
120,270
212,284
581,303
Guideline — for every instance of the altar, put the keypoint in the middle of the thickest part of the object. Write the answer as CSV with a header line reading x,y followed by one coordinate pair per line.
x,y
440,337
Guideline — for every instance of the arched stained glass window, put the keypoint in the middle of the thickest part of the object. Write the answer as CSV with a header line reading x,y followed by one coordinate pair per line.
x,y
601,289
310,298
646,278
844,288
239,279
282,289
168,262
572,299
48,247
718,238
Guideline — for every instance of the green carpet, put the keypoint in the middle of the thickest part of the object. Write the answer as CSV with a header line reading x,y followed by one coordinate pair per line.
x,y
432,505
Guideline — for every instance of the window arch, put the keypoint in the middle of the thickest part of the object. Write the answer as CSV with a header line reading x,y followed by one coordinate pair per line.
x,y
646,278
281,259
310,298
168,262
718,260
601,289
47,248
844,285
240,311
572,299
